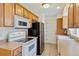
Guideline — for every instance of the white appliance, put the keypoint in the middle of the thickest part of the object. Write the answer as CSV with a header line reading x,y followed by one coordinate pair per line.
x,y
29,45
20,22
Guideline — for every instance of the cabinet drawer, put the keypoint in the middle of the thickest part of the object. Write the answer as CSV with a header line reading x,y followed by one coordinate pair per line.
x,y
17,51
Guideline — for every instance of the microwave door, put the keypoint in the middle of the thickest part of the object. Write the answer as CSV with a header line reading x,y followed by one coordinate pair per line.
x,y
21,22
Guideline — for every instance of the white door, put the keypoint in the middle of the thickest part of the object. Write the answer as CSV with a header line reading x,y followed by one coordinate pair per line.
x,y
50,30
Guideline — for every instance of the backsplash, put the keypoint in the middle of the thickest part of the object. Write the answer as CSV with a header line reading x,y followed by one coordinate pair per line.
x,y
4,32
74,31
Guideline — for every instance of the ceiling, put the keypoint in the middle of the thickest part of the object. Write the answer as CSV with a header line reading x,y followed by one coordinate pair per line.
x,y
39,10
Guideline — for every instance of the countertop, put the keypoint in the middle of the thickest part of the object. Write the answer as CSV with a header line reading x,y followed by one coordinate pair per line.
x,y
9,45
63,37
12,45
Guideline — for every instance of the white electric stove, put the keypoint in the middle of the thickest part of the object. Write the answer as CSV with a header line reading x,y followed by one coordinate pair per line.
x,y
29,44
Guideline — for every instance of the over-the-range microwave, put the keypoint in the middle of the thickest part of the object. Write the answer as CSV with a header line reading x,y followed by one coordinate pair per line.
x,y
20,22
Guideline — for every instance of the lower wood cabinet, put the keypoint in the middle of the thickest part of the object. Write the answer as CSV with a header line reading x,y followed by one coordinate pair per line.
x,y
15,52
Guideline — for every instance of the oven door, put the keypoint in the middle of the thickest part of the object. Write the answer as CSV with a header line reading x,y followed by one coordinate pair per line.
x,y
29,49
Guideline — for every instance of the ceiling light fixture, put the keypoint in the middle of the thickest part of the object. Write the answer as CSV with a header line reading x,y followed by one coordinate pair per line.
x,y
46,5
58,7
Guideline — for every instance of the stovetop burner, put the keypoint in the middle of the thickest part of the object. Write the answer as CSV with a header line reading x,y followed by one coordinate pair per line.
x,y
24,40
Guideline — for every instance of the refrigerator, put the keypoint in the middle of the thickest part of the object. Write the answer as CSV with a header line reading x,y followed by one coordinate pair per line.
x,y
37,30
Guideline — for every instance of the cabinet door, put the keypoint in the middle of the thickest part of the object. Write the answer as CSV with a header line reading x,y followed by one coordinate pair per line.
x,y
71,16
35,18
25,13
76,15
18,10
60,30
30,19
9,14
1,14
30,16
30,23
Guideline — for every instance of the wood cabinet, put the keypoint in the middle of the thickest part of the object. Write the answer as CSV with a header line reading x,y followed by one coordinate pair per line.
x,y
15,52
73,20
60,30
9,14
18,10
1,15
10,48
35,18
30,16
8,10
71,16
25,14
30,19
76,15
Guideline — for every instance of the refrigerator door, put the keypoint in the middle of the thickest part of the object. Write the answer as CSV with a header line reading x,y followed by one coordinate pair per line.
x,y
42,38
38,31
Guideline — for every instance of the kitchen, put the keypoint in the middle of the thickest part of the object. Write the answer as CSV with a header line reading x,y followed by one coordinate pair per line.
x,y
32,29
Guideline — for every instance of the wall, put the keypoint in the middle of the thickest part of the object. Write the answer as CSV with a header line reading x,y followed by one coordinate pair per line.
x,y
4,31
50,29
74,31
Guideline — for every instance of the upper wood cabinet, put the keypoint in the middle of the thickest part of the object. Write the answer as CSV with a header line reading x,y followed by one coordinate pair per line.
x,y
18,10
1,15
25,14
30,19
76,15
6,15
35,18
60,30
30,16
71,16
8,10
9,14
